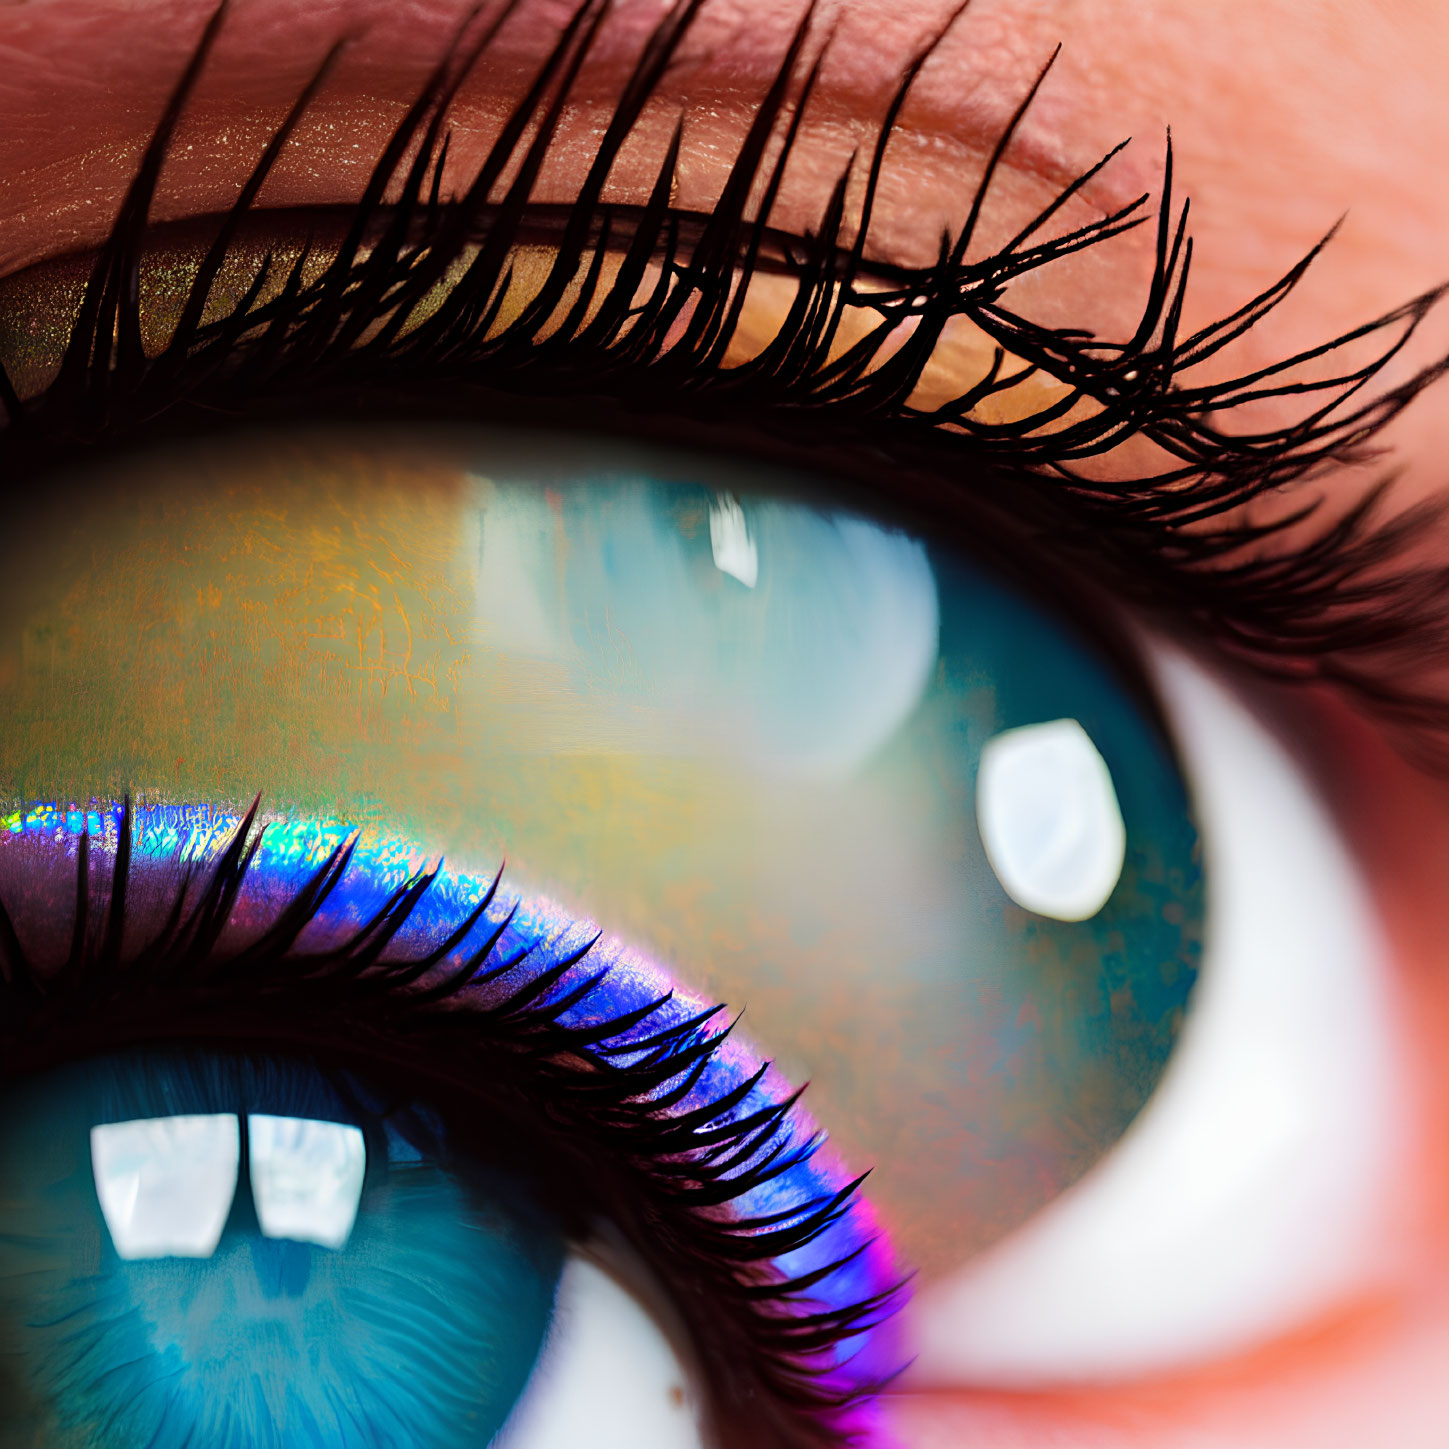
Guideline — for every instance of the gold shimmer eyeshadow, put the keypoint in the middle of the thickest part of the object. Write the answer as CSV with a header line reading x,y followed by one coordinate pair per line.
x,y
40,305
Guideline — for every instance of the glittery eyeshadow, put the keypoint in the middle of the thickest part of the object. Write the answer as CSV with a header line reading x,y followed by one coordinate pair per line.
x,y
291,850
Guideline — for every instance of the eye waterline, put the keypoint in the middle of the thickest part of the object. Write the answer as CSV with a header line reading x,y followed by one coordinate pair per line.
x,y
291,850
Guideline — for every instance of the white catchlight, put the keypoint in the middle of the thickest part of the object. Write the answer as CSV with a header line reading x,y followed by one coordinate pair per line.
x,y
166,1184
734,550
306,1177
1049,819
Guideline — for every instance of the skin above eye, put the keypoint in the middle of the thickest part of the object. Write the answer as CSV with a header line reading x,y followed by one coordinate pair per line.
x,y
1284,115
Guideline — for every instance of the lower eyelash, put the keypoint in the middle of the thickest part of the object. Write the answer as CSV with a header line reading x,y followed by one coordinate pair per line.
x,y
706,1158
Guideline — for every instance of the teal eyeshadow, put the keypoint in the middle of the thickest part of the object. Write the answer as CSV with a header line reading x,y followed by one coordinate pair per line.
x,y
422,1329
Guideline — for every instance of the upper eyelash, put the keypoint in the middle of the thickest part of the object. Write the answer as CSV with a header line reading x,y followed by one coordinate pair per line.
x,y
1349,608
633,1084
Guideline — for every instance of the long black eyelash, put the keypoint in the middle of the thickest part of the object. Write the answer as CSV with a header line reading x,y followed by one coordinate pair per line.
x,y
624,1088
1351,608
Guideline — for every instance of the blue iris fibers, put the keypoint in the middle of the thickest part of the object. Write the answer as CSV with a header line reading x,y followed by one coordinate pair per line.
x,y
422,1330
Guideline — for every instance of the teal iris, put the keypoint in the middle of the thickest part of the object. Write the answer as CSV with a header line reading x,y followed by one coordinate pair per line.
x,y
421,1330
1092,1007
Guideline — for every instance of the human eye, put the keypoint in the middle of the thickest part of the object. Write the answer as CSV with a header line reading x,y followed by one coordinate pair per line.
x,y
759,712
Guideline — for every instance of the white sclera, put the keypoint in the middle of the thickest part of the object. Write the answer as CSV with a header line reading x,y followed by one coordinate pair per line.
x,y
166,1184
306,1177
608,1376
1049,819
734,550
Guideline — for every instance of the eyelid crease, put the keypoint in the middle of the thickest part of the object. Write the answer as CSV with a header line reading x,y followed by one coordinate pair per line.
x,y
1174,535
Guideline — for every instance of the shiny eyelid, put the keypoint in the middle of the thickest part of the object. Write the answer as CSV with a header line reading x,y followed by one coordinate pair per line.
x,y
667,351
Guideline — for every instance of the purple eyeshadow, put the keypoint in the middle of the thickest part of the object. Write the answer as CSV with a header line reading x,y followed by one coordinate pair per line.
x,y
794,1172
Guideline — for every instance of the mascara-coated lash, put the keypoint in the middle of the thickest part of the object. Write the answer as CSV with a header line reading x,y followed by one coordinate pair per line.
x,y
654,333
190,924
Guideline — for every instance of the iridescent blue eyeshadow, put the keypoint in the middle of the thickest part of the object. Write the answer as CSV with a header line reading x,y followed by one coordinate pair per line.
x,y
518,1266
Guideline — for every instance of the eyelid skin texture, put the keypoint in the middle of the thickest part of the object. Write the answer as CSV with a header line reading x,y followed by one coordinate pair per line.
x,y
1251,1193
273,46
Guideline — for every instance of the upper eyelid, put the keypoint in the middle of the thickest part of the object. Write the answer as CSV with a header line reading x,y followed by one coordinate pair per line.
x,y
632,168
88,138
1300,623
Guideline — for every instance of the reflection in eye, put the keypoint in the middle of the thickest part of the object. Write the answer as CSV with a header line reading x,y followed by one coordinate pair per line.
x,y
306,1177
805,675
1248,1197
1049,819
730,542
771,789
166,1184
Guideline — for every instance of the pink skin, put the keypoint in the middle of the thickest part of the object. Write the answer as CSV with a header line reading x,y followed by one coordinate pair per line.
x,y
1285,114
